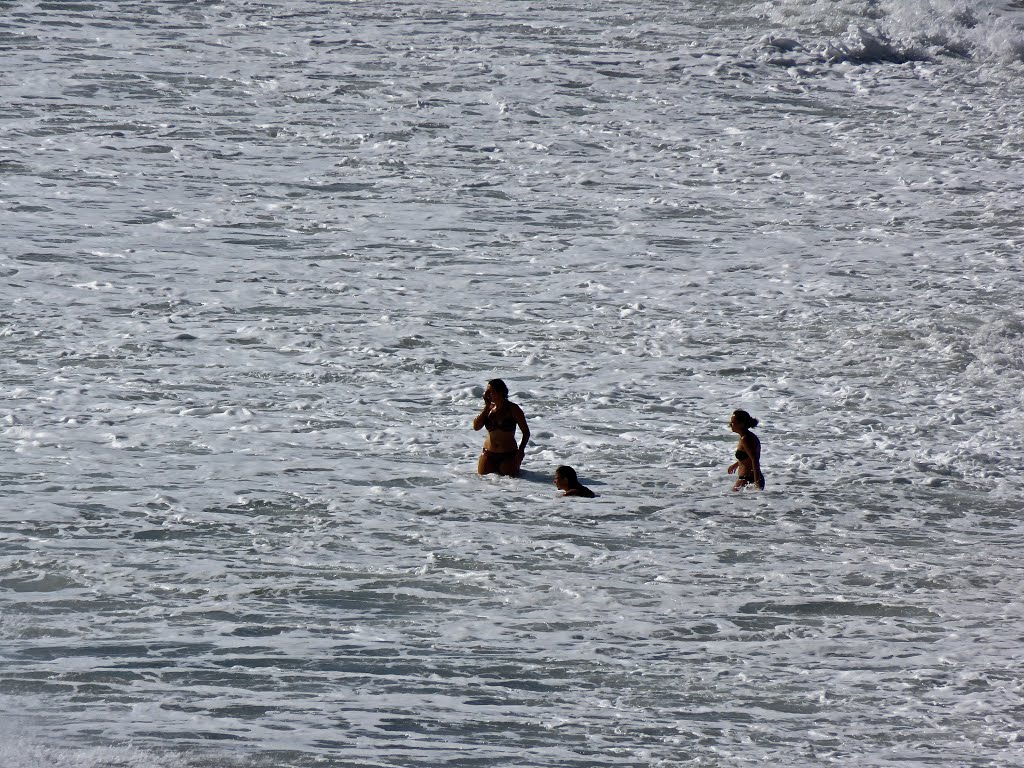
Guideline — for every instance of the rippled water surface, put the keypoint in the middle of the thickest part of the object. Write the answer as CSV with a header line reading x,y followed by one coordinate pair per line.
x,y
260,259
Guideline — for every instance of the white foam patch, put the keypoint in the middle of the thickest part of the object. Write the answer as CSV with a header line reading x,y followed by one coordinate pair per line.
x,y
897,32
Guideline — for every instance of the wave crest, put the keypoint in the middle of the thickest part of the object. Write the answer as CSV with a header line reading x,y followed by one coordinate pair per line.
x,y
899,31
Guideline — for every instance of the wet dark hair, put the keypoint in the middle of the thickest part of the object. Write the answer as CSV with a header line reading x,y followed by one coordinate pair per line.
x,y
499,386
569,474
745,419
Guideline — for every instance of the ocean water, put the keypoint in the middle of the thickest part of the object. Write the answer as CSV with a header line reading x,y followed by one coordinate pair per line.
x,y
259,259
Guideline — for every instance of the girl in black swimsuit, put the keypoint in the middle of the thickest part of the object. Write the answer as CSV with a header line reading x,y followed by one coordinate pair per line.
x,y
748,452
501,454
570,485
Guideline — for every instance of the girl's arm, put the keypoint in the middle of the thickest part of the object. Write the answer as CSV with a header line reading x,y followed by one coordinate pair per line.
x,y
524,428
481,418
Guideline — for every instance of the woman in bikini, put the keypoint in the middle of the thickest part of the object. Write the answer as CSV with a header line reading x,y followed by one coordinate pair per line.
x,y
500,416
748,452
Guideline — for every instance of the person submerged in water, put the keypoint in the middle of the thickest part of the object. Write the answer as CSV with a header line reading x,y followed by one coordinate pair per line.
x,y
501,454
748,452
570,485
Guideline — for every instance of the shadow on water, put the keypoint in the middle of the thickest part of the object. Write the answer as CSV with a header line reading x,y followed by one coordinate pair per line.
x,y
533,476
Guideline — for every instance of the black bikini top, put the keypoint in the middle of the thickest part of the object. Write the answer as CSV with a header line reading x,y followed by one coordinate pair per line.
x,y
742,455
507,424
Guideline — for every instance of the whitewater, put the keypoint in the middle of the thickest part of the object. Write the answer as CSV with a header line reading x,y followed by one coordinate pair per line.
x,y
259,261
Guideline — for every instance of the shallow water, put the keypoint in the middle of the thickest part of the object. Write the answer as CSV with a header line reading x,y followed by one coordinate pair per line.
x,y
258,263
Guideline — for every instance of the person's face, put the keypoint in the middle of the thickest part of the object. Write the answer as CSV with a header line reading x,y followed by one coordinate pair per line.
x,y
561,483
492,396
734,424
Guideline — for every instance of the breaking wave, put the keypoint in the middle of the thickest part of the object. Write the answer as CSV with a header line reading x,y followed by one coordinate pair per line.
x,y
890,31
